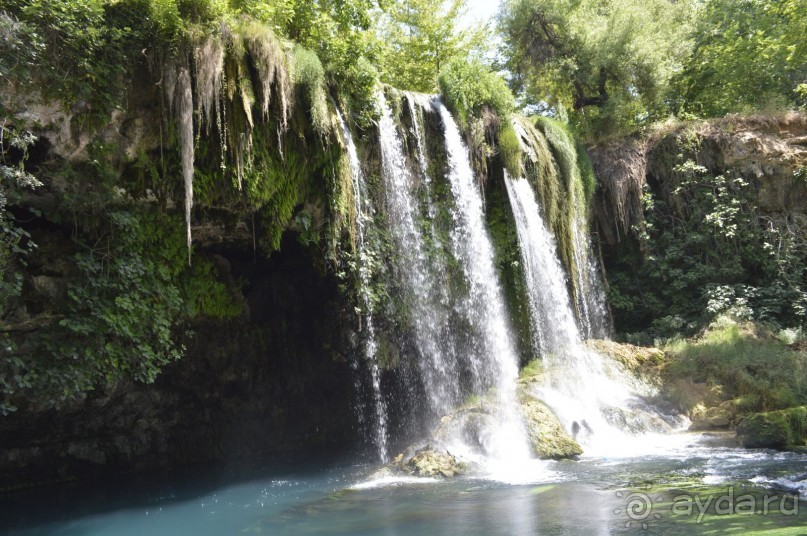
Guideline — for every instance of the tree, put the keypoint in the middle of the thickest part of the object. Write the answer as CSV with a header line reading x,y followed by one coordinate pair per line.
x,y
420,39
608,61
748,54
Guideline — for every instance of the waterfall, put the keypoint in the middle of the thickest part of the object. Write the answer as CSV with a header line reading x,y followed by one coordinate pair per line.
x,y
491,352
592,305
556,331
419,276
459,329
591,396
184,99
363,216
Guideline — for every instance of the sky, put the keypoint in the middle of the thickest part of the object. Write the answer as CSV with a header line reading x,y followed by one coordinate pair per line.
x,y
482,9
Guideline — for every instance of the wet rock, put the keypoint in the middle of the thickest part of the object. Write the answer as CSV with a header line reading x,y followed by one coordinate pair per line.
x,y
720,439
716,417
638,420
430,460
548,439
471,424
775,429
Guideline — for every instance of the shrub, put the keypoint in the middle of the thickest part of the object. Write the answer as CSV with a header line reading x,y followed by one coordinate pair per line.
x,y
747,359
469,87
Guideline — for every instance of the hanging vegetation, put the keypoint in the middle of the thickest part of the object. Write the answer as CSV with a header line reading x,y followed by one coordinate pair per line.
x,y
310,76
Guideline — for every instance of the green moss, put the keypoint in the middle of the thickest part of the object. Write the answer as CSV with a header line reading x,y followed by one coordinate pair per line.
x,y
310,75
747,360
206,295
775,429
571,201
543,172
510,150
587,176
469,87
500,223
531,369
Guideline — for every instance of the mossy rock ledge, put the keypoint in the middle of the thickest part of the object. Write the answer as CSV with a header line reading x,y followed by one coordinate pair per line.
x,y
430,460
548,439
781,429
473,422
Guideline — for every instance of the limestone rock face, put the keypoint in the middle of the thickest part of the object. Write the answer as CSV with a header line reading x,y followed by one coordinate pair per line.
x,y
548,439
770,150
431,461
715,417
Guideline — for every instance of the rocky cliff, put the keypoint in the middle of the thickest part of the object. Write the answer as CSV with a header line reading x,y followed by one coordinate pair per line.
x,y
700,205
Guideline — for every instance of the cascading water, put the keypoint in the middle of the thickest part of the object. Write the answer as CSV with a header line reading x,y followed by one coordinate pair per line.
x,y
491,351
458,322
555,331
420,103
419,276
594,317
461,333
363,216
588,394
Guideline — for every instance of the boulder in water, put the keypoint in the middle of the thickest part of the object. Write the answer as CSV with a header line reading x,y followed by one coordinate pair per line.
x,y
548,439
434,462
717,417
471,424
775,429
430,460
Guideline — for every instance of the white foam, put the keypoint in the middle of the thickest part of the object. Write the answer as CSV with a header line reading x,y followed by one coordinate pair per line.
x,y
393,481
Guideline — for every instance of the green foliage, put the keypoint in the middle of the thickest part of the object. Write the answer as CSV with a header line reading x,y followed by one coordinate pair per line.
x,y
309,73
801,96
341,35
704,251
198,11
128,291
748,55
120,316
510,150
747,360
609,62
117,322
775,429
470,87
357,85
205,294
419,38
20,47
131,291
15,241
80,53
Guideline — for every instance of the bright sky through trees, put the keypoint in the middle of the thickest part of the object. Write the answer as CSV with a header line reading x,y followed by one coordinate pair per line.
x,y
482,10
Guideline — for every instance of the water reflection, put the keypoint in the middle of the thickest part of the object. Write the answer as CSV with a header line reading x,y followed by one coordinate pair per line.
x,y
585,497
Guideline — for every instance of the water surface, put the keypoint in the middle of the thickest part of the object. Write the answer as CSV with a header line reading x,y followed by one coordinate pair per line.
x,y
596,495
